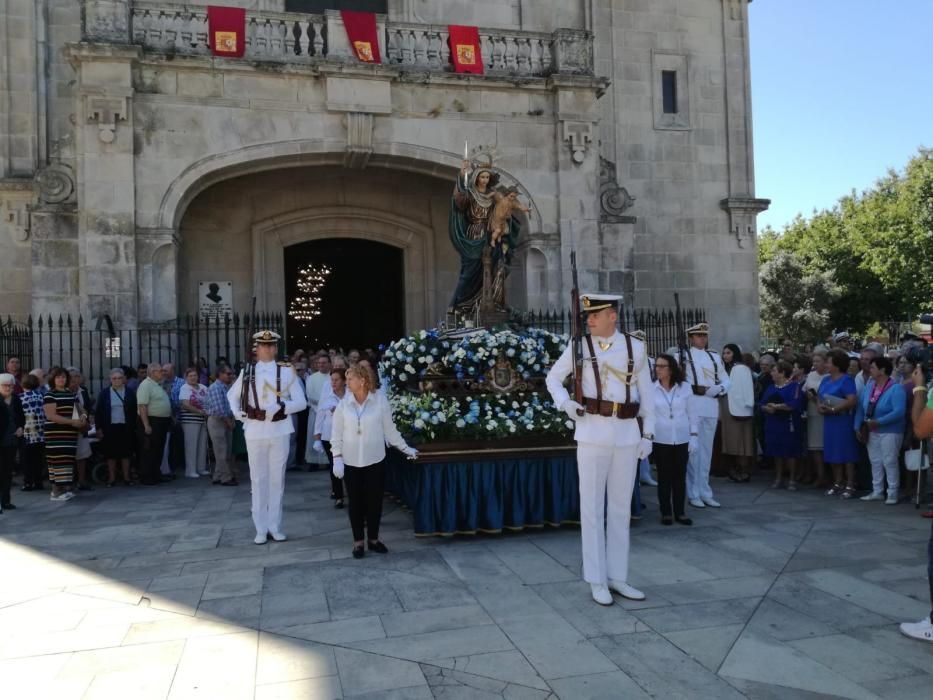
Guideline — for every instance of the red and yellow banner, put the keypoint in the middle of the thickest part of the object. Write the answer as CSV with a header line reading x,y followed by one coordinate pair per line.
x,y
361,31
226,30
464,49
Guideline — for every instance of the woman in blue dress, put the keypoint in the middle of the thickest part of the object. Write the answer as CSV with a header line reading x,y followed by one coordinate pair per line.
x,y
837,397
782,404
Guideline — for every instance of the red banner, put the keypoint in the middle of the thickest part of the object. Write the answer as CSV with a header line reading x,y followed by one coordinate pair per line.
x,y
226,29
361,31
464,49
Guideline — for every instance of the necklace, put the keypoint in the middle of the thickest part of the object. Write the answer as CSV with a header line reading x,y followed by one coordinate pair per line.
x,y
359,418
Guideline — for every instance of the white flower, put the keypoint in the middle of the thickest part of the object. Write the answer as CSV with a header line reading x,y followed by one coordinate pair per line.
x,y
403,377
461,423
419,423
569,423
410,347
409,369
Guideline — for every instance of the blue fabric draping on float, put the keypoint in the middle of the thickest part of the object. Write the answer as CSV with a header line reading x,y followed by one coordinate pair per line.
x,y
476,495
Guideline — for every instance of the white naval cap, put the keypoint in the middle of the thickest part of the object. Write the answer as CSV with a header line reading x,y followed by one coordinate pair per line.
x,y
266,337
699,329
597,302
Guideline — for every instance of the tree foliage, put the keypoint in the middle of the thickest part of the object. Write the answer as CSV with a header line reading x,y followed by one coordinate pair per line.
x,y
795,302
875,247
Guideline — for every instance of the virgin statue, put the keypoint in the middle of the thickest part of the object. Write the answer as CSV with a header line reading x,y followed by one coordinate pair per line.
x,y
484,232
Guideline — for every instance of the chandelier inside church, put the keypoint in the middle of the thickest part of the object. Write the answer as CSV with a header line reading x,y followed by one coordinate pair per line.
x,y
306,305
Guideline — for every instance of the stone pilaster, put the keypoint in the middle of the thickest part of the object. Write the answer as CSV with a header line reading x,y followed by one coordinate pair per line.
x,y
106,180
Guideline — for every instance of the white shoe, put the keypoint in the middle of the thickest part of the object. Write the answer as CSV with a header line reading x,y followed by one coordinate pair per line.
x,y
63,496
712,503
260,539
892,498
278,536
922,630
601,593
193,476
649,482
874,496
625,590
697,503
203,472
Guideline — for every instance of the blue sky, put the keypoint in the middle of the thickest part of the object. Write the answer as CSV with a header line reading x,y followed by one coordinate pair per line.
x,y
842,90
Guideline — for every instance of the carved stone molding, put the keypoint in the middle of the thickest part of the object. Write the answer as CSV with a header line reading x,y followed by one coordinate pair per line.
x,y
573,51
742,213
614,200
359,139
56,184
579,135
106,112
14,214
735,8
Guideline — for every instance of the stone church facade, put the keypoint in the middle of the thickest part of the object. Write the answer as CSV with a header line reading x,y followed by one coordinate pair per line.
x,y
133,164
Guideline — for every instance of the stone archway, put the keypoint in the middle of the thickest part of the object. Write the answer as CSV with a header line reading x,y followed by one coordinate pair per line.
x,y
271,237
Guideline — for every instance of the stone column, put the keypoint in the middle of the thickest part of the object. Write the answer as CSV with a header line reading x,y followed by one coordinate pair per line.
x,y
106,180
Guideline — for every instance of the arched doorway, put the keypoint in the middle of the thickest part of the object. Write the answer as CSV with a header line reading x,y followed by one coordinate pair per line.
x,y
362,300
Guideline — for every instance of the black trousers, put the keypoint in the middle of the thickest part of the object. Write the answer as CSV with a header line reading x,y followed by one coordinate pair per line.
x,y
365,488
152,448
336,485
301,435
7,460
671,462
33,464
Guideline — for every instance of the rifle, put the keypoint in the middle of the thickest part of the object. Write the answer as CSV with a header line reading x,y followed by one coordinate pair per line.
x,y
681,332
576,333
250,367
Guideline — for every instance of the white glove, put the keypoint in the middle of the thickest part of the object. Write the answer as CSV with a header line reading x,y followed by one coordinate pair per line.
x,y
571,407
713,391
318,446
411,453
644,448
693,445
338,467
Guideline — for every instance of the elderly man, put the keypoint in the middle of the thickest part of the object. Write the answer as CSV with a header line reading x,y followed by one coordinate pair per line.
x,y
617,392
706,374
868,353
155,417
270,395
220,424
15,368
315,391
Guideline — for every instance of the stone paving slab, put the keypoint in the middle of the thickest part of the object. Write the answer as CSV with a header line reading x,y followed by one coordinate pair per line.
x,y
160,593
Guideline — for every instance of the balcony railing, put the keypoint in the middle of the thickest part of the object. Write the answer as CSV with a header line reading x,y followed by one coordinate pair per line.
x,y
299,38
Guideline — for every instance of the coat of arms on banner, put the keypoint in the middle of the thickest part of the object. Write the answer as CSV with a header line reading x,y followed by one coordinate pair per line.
x,y
225,42
364,51
466,54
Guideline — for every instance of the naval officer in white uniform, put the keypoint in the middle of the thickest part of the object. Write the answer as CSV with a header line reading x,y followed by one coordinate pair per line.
x,y
709,380
273,394
609,440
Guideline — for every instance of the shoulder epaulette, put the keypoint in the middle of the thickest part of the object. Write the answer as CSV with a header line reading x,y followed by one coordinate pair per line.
x,y
284,364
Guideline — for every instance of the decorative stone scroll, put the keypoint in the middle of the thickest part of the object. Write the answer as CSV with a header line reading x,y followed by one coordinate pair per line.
x,y
614,200
56,184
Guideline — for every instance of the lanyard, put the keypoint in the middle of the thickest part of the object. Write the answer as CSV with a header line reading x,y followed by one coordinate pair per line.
x,y
359,416
670,404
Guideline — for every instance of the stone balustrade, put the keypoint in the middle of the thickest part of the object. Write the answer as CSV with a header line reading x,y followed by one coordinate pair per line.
x,y
290,37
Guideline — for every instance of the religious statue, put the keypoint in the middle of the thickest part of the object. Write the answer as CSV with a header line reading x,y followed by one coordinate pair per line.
x,y
484,231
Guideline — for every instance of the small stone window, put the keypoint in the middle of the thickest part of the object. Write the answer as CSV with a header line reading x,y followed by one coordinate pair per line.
x,y
671,93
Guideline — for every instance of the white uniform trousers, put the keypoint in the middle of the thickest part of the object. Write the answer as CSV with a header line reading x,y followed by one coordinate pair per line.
x,y
267,475
884,450
607,477
698,486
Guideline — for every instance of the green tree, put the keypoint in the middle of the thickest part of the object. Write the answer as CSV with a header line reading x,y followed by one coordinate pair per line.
x,y
795,302
875,246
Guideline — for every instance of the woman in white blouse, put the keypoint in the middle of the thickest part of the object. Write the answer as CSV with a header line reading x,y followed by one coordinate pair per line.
x,y
324,427
675,437
736,410
362,428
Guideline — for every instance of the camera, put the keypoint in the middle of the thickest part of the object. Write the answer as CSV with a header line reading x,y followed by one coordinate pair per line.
x,y
922,355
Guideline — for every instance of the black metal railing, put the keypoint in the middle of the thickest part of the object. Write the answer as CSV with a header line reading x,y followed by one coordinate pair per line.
x,y
95,349
660,325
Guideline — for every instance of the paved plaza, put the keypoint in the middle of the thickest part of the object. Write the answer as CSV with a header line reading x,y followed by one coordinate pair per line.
x,y
160,593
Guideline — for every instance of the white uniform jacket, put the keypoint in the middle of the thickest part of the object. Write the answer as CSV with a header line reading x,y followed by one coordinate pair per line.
x,y
705,368
291,394
613,369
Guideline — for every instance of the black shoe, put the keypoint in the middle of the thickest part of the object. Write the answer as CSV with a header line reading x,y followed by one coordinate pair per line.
x,y
85,487
684,521
165,478
28,487
378,547
8,506
358,552
111,484
667,520
149,482
338,503
333,496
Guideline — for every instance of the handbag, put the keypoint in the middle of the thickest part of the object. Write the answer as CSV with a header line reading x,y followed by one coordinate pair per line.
x,y
917,460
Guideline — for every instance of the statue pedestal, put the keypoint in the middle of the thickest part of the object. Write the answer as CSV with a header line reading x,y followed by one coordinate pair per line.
x,y
491,318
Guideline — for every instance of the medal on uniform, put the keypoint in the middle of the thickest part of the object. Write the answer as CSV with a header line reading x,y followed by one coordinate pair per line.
x,y
604,345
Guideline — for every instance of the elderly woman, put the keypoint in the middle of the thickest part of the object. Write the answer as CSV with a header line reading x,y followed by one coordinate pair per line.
x,y
115,420
814,418
65,421
191,397
879,423
837,399
362,428
33,451
736,410
76,385
324,427
12,422
782,404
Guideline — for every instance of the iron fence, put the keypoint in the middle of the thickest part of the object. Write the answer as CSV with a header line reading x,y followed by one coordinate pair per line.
x,y
660,325
95,349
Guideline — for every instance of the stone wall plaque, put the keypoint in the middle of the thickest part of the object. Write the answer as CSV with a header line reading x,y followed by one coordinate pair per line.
x,y
215,300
